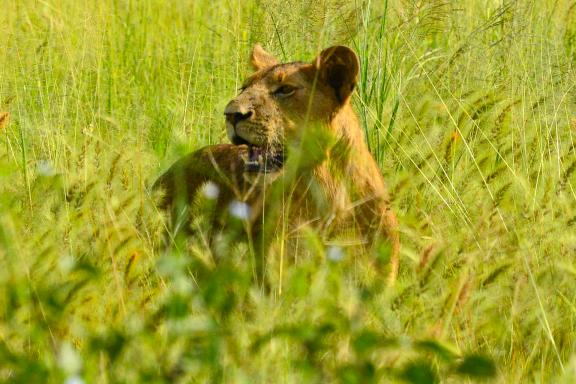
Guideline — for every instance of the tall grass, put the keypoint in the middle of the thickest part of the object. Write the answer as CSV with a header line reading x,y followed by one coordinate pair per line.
x,y
469,107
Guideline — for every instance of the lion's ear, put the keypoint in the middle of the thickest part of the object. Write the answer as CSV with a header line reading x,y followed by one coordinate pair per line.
x,y
261,59
338,67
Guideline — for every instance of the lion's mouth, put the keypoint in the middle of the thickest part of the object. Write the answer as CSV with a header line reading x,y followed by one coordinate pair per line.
x,y
261,159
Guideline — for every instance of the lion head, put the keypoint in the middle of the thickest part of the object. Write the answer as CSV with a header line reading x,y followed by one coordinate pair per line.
x,y
279,101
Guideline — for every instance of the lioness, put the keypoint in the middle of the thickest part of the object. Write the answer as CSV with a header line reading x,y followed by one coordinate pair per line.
x,y
297,158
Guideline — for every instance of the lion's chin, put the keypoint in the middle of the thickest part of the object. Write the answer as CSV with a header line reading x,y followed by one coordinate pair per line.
x,y
261,159
264,160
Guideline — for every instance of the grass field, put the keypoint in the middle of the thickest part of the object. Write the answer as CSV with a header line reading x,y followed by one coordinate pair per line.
x,y
469,107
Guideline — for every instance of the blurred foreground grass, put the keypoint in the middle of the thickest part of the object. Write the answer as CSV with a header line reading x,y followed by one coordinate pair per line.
x,y
469,107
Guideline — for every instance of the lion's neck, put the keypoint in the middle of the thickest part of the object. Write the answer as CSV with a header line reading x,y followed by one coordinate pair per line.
x,y
347,127
358,163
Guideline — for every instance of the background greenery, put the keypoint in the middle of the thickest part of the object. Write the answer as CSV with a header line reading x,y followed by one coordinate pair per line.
x,y
469,107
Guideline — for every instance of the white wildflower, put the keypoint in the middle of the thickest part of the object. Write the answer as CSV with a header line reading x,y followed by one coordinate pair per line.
x,y
210,190
74,380
240,210
335,253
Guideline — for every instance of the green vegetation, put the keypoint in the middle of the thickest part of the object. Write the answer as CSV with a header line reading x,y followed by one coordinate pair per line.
x,y
469,107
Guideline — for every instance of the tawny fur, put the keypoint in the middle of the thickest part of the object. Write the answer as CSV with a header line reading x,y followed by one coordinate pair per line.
x,y
340,192
4,119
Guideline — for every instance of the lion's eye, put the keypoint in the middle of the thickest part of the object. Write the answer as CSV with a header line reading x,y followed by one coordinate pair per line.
x,y
285,91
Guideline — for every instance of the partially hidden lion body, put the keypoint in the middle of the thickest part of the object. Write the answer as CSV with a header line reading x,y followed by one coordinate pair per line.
x,y
298,158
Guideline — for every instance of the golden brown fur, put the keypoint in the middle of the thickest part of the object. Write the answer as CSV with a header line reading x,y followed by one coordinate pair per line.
x,y
4,119
329,181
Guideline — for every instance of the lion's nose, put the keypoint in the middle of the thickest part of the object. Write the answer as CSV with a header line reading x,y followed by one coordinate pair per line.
x,y
235,117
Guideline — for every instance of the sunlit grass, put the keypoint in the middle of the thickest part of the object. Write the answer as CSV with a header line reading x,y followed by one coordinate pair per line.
x,y
469,108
